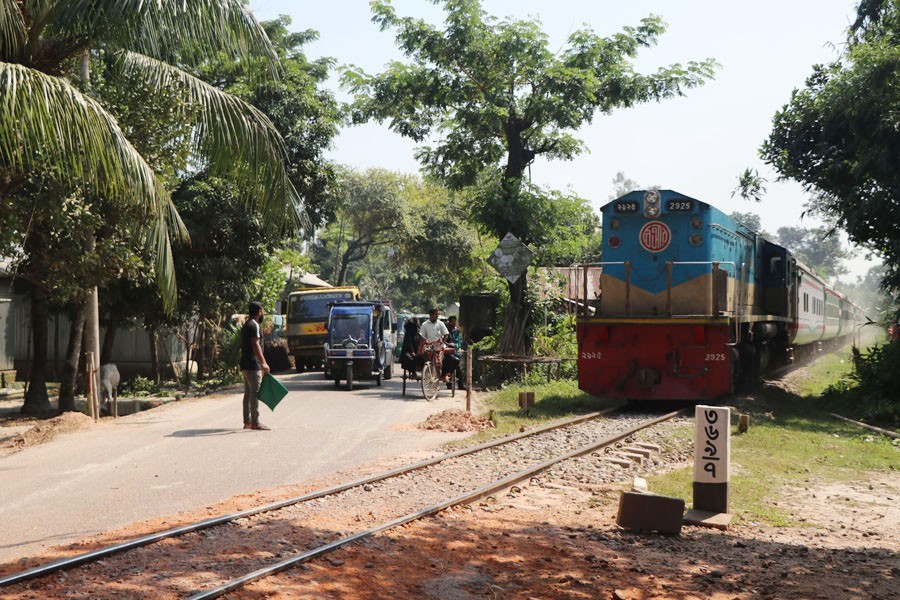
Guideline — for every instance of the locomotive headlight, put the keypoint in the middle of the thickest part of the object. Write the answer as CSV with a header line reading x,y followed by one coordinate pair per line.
x,y
615,242
696,239
696,222
651,204
614,224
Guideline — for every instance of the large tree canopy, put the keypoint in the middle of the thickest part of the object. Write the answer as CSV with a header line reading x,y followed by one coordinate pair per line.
x,y
494,92
305,114
840,135
46,120
494,95
58,141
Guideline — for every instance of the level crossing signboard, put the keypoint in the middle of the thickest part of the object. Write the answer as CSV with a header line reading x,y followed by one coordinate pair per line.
x,y
511,257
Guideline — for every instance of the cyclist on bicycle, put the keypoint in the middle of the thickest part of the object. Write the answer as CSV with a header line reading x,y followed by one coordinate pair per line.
x,y
433,330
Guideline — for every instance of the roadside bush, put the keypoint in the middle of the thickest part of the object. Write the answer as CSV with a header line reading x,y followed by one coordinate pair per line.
x,y
874,398
141,386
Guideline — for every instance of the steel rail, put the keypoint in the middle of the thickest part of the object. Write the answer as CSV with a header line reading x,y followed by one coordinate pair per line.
x,y
466,498
95,555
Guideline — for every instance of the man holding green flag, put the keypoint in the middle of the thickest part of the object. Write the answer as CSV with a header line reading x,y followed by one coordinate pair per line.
x,y
253,366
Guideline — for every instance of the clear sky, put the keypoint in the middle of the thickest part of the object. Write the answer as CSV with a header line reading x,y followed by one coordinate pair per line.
x,y
697,144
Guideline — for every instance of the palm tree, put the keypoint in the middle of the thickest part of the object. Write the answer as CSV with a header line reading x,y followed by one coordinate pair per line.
x,y
50,127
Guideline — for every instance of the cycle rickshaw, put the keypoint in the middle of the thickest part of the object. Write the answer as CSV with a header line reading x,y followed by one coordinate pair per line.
x,y
433,352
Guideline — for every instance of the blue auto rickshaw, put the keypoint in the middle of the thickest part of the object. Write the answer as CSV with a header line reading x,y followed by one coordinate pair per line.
x,y
355,347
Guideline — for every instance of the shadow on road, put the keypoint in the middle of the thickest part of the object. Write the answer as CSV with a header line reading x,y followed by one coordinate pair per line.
x,y
201,432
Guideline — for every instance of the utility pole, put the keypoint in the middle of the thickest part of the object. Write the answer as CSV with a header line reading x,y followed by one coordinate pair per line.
x,y
92,320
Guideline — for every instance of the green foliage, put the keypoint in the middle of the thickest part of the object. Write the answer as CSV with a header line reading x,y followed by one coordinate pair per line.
x,y
304,113
225,263
141,386
554,335
267,286
229,341
751,186
400,237
53,127
870,392
463,82
494,96
562,229
838,135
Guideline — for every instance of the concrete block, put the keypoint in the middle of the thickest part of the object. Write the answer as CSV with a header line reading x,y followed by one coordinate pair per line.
x,y
650,512
639,484
638,450
648,446
637,458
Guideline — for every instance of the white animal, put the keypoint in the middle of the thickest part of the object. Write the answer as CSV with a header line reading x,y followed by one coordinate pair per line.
x,y
109,384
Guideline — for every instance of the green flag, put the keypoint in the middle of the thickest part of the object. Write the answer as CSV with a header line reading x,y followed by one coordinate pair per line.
x,y
271,391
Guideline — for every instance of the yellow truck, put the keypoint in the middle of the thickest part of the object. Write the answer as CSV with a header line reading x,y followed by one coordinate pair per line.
x,y
307,322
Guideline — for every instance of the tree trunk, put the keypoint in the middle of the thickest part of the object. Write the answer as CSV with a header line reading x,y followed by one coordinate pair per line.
x,y
516,323
189,339
69,381
109,338
154,353
514,338
201,353
37,402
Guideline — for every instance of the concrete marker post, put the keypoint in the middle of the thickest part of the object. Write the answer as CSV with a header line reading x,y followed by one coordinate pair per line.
x,y
712,467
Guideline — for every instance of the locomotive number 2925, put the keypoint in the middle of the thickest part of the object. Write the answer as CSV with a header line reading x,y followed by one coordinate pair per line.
x,y
715,357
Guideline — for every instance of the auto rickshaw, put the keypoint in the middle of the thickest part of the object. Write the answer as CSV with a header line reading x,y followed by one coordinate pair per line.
x,y
358,344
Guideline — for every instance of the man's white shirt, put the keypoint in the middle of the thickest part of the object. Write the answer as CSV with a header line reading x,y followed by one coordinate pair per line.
x,y
432,331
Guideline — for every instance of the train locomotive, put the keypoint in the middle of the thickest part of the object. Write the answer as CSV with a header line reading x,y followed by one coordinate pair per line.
x,y
692,303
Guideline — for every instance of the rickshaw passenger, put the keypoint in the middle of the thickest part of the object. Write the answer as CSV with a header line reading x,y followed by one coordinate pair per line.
x,y
410,359
454,339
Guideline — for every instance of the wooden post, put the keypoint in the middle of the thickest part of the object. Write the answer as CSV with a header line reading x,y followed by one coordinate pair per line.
x,y
584,305
91,386
469,357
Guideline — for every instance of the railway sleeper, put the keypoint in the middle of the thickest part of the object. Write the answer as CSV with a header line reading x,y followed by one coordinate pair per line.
x,y
656,449
645,452
620,462
635,458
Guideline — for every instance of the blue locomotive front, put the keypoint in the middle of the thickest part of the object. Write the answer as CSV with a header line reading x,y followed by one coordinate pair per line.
x,y
689,299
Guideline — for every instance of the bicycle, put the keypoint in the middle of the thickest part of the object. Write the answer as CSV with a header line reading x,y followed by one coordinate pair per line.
x,y
433,368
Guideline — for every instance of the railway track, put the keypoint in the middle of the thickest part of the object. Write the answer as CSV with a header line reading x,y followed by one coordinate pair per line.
x,y
189,561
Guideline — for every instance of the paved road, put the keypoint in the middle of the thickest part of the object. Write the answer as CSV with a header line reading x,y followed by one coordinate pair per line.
x,y
186,455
